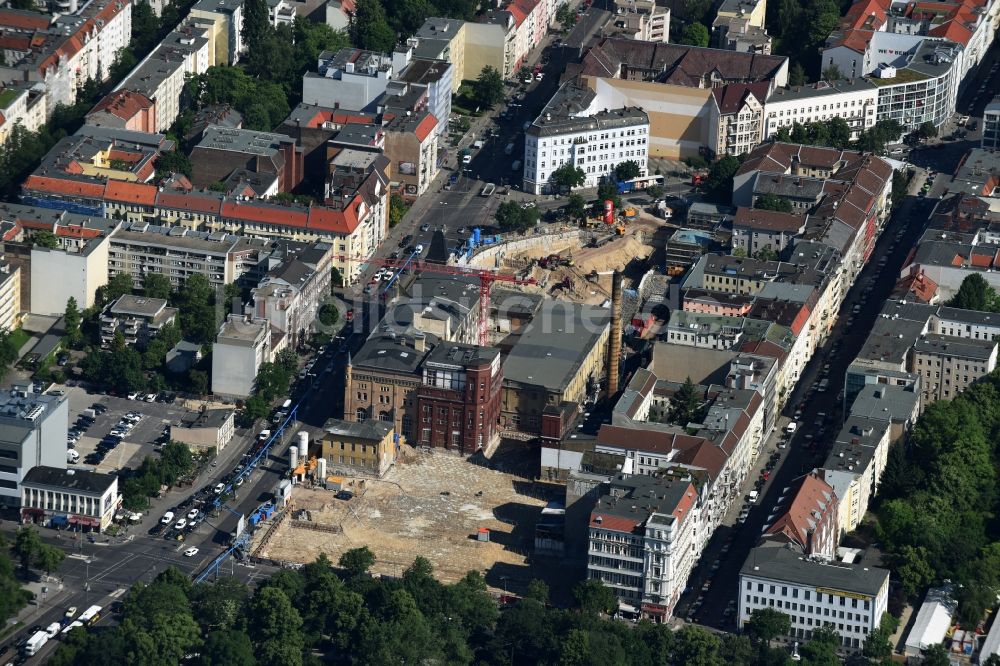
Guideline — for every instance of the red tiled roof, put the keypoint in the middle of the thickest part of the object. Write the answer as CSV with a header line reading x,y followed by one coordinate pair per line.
x,y
23,19
769,220
952,30
731,98
814,501
613,523
77,232
194,202
922,287
124,104
425,127
65,186
264,213
127,192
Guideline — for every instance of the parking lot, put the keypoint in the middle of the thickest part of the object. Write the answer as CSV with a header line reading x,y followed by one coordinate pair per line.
x,y
135,444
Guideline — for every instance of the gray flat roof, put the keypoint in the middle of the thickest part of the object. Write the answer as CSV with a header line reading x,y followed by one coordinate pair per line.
x,y
945,345
784,564
370,430
554,345
138,305
564,113
884,402
69,479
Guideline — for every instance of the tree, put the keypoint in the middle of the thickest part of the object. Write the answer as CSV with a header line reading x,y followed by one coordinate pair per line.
x,y
71,321
256,24
566,16
45,239
935,655
576,207
125,61
538,590
840,132
927,130
27,543
720,178
228,647
695,646
329,314
975,293
607,191
695,35
773,202
171,162
627,170
796,74
156,285
48,558
821,649
766,253
117,287
832,73
511,216
488,88
567,176
766,624
369,27
357,561
397,209
686,404
594,597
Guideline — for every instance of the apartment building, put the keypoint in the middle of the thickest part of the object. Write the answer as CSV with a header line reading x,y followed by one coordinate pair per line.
x,y
21,104
437,76
754,230
642,542
468,46
359,447
684,92
63,51
854,467
74,498
853,100
806,518
177,253
240,348
850,598
947,366
411,144
991,125
33,430
10,296
644,20
579,128
124,109
161,75
137,318
77,269
225,18
290,295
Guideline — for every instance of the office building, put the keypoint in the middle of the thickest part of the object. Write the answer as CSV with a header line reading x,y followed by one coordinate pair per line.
x,y
33,430
814,593
206,430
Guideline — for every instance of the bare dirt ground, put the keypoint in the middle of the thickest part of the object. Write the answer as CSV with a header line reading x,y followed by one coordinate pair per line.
x,y
431,504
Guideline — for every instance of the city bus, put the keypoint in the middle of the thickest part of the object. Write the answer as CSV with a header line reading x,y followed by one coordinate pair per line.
x,y
90,616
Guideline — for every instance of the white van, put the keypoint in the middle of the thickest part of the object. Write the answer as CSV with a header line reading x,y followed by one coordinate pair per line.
x,y
753,496
72,456
790,428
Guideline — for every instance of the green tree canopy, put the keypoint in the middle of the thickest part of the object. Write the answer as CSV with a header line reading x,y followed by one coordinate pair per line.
x,y
511,216
975,293
357,561
773,202
156,285
369,27
567,176
628,170
695,34
488,88
576,206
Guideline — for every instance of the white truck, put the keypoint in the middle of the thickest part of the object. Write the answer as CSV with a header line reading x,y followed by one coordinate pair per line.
x,y
35,643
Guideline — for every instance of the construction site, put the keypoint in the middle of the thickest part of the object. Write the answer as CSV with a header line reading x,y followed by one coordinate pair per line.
x,y
459,515
577,265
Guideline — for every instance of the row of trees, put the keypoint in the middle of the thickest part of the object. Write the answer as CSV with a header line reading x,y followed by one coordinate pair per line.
x,y
939,499
31,551
175,461
341,615
837,134
13,597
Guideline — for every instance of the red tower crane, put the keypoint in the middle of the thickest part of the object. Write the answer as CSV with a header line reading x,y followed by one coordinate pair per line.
x,y
486,280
